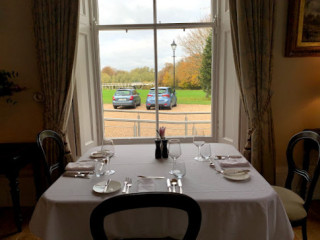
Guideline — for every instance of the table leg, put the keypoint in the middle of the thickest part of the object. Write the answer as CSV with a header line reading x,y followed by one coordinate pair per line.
x,y
15,195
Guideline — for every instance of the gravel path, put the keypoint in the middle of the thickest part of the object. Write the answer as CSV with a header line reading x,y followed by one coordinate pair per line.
x,y
119,129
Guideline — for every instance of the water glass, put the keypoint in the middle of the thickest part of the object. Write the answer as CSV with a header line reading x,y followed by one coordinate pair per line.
x,y
205,152
100,167
179,169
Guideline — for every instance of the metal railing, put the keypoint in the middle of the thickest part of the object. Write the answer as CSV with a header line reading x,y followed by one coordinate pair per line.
x,y
137,121
125,85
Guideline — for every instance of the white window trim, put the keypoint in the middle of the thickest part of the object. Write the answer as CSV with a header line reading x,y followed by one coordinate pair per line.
x,y
154,27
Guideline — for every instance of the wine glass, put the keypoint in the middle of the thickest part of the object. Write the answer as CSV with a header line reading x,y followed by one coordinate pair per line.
x,y
198,141
107,149
174,150
205,152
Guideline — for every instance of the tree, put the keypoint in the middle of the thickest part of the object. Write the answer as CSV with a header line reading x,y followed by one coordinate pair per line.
x,y
205,69
187,73
109,70
194,41
165,75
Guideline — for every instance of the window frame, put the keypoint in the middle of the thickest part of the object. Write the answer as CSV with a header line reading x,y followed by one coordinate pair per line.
x,y
213,24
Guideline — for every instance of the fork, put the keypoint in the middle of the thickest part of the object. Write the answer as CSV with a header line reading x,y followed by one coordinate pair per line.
x,y
129,184
124,190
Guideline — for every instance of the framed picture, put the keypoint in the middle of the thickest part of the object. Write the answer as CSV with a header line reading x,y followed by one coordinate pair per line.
x,y
303,32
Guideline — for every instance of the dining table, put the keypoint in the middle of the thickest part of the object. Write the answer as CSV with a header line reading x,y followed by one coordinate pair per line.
x,y
232,209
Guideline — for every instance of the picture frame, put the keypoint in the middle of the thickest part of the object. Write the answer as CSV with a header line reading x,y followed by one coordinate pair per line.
x,y
303,30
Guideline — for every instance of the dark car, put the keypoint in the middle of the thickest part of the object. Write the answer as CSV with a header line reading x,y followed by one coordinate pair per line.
x,y
166,98
126,97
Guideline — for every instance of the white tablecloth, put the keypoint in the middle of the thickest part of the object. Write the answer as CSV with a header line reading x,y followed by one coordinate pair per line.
x,y
248,210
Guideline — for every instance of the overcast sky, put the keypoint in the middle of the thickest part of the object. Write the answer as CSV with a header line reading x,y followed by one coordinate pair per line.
x,y
128,50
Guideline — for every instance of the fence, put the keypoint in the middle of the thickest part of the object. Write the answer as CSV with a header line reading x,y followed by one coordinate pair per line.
x,y
125,85
138,121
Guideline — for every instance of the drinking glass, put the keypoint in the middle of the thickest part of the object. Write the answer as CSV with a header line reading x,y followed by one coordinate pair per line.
x,y
205,152
179,169
198,141
99,168
174,150
107,149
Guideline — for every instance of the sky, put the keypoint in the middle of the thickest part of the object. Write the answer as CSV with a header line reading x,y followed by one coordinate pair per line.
x,y
128,50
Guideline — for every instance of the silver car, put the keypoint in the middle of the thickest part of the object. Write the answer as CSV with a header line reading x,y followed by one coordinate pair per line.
x,y
126,97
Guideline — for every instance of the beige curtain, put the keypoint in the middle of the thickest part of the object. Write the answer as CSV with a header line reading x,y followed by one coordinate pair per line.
x,y
252,25
56,28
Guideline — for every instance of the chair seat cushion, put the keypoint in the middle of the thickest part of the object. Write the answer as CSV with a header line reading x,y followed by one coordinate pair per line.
x,y
292,202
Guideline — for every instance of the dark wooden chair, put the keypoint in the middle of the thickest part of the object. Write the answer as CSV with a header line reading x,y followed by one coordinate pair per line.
x,y
298,204
146,200
53,163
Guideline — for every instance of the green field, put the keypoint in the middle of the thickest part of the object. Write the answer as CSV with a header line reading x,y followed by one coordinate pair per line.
x,y
183,96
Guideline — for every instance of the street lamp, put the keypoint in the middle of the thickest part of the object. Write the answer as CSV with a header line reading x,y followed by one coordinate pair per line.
x,y
174,46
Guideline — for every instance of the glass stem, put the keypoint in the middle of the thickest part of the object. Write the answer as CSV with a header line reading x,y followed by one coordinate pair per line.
x,y
173,164
108,159
198,151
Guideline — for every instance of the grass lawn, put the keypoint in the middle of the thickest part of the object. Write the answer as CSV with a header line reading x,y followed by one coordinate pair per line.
x,y
183,96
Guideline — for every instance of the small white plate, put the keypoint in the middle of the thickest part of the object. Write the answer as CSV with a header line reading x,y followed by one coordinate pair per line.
x,y
97,154
113,187
233,174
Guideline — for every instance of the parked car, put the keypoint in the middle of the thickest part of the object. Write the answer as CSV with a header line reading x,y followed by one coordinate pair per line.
x,y
166,98
126,97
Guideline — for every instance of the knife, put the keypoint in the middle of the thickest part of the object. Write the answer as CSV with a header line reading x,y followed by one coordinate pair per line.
x,y
107,185
169,185
152,177
222,157
180,185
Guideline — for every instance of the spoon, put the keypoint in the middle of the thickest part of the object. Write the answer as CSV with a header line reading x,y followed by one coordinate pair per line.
x,y
174,183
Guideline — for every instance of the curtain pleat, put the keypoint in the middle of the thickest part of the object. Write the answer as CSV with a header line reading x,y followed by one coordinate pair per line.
x,y
252,26
56,30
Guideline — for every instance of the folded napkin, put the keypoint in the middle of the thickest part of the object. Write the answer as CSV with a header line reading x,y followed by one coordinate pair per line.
x,y
233,162
146,185
80,166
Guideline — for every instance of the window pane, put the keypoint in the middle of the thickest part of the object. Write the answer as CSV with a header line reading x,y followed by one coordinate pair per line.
x,y
125,11
127,61
192,112
183,10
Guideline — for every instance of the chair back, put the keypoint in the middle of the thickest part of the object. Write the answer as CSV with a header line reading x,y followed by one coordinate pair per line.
x,y
145,200
309,178
52,152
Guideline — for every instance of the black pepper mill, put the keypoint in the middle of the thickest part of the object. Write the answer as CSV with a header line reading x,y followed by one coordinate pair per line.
x,y
158,148
164,148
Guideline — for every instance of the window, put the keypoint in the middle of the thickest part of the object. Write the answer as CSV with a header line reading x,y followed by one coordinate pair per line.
x,y
158,48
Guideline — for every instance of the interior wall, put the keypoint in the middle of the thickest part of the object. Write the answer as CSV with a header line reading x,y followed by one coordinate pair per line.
x,y
296,92
22,121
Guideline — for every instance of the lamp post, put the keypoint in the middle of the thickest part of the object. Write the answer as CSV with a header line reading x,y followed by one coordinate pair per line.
x,y
174,46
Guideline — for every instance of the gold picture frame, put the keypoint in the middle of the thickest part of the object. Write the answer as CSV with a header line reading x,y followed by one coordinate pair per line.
x,y
303,32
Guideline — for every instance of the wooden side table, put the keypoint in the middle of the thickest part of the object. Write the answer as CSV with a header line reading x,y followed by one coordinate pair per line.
x,y
14,157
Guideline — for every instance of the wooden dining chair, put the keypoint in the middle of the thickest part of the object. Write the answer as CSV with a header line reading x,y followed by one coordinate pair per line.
x,y
53,161
298,204
146,200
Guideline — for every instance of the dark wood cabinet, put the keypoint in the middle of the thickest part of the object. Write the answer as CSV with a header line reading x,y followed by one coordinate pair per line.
x,y
14,157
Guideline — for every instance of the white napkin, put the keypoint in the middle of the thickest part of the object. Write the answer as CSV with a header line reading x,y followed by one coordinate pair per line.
x,y
233,162
80,166
146,185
